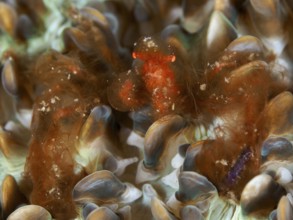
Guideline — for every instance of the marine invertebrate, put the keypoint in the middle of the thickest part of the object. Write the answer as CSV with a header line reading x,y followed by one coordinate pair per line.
x,y
158,80
203,89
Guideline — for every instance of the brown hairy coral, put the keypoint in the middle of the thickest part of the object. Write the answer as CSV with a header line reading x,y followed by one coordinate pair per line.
x,y
60,109
239,99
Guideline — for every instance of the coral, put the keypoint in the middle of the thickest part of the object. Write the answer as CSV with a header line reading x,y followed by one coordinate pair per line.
x,y
146,109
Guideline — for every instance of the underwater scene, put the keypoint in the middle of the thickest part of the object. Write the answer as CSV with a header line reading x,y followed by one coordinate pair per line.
x,y
146,109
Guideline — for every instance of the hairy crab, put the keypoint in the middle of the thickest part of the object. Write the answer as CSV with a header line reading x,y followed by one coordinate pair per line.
x,y
202,89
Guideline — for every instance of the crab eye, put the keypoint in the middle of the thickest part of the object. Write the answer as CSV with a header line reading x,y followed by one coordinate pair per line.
x,y
153,49
134,55
171,58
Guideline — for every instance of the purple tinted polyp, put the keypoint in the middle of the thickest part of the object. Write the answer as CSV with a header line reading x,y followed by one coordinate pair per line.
x,y
238,167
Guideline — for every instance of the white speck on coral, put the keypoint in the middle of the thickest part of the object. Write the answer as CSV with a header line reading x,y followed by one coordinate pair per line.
x,y
56,170
51,190
251,56
225,58
203,87
222,161
173,106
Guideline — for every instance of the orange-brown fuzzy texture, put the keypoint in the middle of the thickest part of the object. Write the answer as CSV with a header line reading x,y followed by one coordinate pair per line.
x,y
239,99
61,107
152,81
66,88
159,81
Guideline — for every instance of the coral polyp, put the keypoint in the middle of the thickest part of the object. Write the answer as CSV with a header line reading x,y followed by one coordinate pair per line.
x,y
146,109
